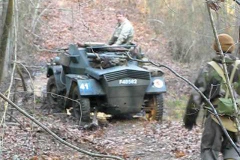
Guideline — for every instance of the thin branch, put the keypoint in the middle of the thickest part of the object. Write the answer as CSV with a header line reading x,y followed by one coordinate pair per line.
x,y
34,17
156,20
169,7
48,50
31,79
35,21
22,79
26,66
29,31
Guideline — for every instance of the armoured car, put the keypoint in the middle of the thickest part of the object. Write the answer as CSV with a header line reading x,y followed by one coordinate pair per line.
x,y
97,77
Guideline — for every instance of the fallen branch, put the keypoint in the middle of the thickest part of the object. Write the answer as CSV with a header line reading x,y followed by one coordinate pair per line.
x,y
54,135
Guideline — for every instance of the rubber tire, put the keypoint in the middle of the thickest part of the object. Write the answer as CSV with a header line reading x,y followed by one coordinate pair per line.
x,y
84,112
156,102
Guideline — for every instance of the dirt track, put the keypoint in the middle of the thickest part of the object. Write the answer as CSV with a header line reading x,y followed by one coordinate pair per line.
x,y
135,139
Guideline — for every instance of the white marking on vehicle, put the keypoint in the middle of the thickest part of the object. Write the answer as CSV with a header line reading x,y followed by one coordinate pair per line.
x,y
128,81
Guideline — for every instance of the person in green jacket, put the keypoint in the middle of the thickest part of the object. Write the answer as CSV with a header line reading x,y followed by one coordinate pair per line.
x,y
210,83
124,30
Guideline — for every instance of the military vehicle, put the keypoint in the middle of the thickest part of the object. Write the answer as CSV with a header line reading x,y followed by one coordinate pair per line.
x,y
97,77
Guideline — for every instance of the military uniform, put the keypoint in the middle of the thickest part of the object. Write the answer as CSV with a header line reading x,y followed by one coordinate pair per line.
x,y
123,33
209,83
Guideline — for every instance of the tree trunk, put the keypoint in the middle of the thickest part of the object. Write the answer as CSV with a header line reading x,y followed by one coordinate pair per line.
x,y
6,11
3,13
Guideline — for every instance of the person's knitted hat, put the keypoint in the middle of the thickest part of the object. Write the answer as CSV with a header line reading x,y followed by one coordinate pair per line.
x,y
226,42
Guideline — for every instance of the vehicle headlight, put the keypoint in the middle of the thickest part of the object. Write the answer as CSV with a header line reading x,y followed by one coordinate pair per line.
x,y
158,83
56,60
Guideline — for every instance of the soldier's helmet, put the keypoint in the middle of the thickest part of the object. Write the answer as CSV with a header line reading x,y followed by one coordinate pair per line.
x,y
226,42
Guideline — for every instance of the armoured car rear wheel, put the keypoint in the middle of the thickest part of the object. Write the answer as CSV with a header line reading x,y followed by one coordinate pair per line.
x,y
52,94
81,107
154,107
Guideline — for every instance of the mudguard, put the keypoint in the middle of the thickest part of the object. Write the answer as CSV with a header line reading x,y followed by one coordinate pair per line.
x,y
57,72
156,85
90,87
86,86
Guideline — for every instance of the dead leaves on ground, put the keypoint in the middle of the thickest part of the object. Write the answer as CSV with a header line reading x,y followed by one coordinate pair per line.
x,y
44,157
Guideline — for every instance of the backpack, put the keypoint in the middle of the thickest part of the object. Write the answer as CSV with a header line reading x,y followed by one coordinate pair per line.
x,y
225,104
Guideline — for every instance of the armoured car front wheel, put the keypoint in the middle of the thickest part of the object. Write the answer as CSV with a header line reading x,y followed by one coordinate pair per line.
x,y
154,107
80,107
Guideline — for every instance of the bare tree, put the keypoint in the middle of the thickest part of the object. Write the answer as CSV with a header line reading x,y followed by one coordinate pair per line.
x,y
6,11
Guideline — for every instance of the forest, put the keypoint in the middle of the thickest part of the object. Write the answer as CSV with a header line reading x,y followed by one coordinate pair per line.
x,y
176,36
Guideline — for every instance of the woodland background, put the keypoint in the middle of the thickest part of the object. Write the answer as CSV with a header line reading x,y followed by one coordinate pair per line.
x,y
171,32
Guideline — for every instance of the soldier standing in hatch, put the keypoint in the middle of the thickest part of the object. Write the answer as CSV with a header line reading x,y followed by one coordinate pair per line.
x,y
208,82
124,31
